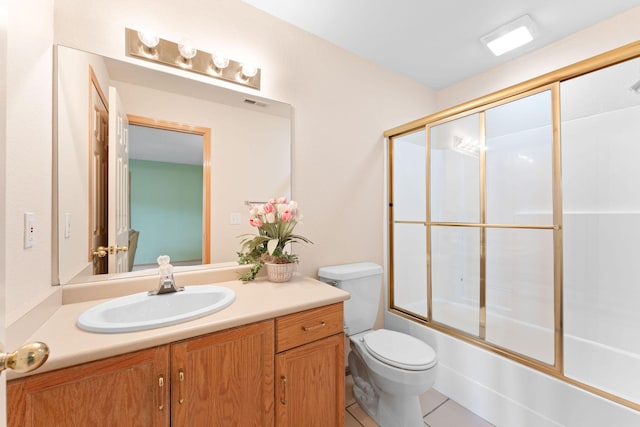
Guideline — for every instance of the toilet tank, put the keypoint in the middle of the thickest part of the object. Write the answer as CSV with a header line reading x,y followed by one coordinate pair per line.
x,y
363,281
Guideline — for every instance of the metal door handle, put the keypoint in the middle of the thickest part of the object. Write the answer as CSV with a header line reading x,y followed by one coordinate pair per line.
x,y
101,251
25,359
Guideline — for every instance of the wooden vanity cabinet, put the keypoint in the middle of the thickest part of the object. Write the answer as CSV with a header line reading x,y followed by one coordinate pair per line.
x,y
310,368
220,379
128,390
224,378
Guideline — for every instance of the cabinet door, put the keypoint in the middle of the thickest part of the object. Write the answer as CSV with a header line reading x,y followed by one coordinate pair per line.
x,y
310,384
225,378
128,390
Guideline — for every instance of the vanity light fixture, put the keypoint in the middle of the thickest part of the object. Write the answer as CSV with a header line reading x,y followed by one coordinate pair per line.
x,y
150,40
510,36
220,61
249,70
187,49
185,56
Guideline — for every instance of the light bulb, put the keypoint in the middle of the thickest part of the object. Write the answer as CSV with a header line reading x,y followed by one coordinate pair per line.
x,y
150,40
249,70
186,48
220,61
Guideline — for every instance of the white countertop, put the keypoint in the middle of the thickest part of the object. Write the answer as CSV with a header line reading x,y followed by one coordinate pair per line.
x,y
255,301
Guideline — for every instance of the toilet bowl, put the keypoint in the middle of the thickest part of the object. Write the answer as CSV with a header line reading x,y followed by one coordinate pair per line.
x,y
390,369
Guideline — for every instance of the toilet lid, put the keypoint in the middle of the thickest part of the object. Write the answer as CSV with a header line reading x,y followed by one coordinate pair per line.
x,y
400,350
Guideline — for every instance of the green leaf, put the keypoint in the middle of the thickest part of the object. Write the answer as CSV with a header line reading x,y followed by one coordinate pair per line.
x,y
272,245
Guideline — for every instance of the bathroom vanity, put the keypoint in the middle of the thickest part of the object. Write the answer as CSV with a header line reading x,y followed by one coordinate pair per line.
x,y
274,357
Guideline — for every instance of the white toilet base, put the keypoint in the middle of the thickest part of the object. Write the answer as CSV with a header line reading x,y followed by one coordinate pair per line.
x,y
390,411
387,410
395,411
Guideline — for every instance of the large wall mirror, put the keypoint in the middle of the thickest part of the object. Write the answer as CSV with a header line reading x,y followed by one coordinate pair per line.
x,y
192,156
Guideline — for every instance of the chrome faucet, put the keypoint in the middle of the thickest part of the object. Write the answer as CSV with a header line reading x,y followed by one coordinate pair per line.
x,y
167,282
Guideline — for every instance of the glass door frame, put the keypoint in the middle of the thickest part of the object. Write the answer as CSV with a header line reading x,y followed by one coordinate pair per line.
x,y
550,81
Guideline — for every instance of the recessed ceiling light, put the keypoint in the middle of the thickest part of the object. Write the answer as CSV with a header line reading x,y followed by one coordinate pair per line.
x,y
510,36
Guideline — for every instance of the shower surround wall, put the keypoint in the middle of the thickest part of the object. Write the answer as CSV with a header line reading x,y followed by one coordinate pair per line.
x,y
601,213
600,155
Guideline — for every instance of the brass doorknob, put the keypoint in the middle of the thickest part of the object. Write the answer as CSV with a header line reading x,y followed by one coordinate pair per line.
x,y
101,251
25,359
121,249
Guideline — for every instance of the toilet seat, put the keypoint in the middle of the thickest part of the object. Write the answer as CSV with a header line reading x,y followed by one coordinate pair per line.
x,y
399,350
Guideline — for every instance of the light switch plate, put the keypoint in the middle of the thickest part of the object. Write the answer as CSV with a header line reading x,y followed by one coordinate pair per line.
x,y
235,219
29,230
67,225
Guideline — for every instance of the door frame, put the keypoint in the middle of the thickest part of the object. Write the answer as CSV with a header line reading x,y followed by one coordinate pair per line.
x,y
93,84
205,132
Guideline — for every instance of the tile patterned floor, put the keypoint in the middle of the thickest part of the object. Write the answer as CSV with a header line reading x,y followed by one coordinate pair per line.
x,y
438,410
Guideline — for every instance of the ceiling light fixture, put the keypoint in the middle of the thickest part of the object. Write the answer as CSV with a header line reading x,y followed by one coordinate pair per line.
x,y
510,36
186,57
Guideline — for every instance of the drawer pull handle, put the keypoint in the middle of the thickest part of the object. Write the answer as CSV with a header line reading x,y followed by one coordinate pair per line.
x,y
180,386
161,391
283,399
311,328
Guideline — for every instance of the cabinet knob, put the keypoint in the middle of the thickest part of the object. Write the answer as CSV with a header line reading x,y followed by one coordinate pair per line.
x,y
25,359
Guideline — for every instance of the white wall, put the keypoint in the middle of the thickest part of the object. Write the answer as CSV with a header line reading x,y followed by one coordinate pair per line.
x,y
600,239
504,392
342,104
28,152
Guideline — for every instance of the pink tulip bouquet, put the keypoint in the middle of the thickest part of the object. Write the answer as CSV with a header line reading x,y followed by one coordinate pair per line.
x,y
275,221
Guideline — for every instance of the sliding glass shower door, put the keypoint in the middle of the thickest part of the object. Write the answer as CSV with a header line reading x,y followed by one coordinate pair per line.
x,y
481,224
513,223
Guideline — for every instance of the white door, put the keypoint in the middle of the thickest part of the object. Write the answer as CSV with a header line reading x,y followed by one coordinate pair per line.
x,y
3,378
3,145
118,220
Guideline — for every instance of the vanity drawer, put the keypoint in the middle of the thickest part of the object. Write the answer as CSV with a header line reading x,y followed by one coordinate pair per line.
x,y
300,328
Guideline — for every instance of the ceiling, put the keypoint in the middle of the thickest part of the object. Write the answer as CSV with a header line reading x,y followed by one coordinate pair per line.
x,y
161,145
436,43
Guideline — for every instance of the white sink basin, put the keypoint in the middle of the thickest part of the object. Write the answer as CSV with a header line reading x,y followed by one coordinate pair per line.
x,y
143,311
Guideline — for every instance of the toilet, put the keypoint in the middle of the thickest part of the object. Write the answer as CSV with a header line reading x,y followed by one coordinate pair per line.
x,y
390,369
